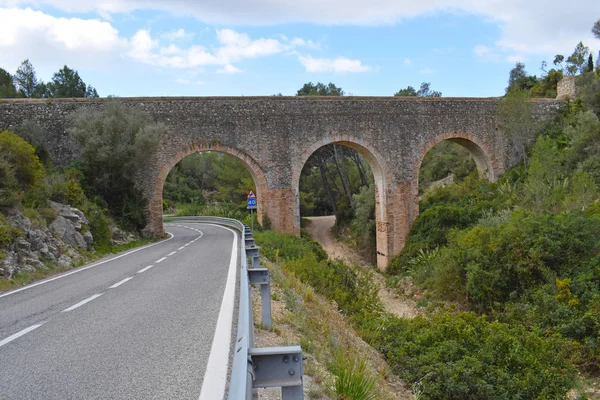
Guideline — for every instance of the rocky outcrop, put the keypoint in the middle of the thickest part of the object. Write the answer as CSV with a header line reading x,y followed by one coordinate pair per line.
x,y
40,247
69,227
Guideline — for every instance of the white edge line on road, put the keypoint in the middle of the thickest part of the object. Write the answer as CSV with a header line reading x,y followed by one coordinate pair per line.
x,y
215,378
181,248
171,253
120,282
161,260
84,268
145,269
19,334
82,302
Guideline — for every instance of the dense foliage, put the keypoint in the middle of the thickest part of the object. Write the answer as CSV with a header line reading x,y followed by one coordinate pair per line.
x,y
445,355
28,184
208,178
523,251
115,144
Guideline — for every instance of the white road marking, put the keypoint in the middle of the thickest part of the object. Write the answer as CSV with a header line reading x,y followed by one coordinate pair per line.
x,y
171,253
84,268
161,260
145,269
181,248
82,302
120,282
19,334
215,378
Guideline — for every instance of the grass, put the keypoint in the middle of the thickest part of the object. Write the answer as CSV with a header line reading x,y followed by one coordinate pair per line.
x,y
343,365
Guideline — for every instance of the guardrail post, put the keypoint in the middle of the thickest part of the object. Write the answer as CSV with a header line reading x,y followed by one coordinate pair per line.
x,y
254,254
279,367
262,277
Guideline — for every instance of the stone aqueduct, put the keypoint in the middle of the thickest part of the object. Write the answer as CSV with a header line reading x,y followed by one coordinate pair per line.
x,y
274,137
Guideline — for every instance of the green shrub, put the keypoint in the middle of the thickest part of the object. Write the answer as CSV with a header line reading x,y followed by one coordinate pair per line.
x,y
49,214
99,226
28,170
8,233
225,209
8,194
276,245
462,356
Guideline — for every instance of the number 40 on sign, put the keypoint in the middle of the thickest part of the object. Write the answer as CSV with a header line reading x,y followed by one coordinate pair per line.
x,y
251,198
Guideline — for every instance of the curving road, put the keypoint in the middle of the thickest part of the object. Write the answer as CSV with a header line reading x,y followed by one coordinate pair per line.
x,y
139,325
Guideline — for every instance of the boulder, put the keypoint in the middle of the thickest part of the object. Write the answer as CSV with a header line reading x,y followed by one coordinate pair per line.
x,y
9,264
65,230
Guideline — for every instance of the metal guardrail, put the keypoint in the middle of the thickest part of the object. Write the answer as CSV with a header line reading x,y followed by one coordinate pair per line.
x,y
252,367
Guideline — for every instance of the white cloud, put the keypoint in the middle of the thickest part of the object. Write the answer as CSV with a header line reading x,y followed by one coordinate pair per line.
x,y
43,38
539,27
229,69
234,47
90,42
338,64
426,71
178,34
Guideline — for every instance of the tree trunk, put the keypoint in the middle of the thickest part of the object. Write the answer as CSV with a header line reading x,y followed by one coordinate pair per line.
x,y
342,174
332,200
361,169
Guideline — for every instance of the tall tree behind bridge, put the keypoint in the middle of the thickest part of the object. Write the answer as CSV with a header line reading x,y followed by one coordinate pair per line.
x,y
424,91
65,83
7,86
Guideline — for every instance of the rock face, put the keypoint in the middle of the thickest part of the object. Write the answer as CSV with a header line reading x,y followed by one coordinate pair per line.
x,y
39,247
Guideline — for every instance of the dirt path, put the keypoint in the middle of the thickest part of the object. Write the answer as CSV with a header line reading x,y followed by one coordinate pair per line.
x,y
320,230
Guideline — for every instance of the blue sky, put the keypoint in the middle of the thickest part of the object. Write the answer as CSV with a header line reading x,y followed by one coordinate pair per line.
x,y
262,47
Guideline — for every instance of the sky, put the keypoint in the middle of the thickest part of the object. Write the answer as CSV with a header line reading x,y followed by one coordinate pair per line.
x,y
464,48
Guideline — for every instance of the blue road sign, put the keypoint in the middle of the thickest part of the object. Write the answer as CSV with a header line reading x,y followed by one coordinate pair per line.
x,y
251,197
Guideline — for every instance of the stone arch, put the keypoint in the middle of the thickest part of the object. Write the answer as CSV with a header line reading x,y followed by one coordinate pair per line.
x,y
382,179
155,203
488,165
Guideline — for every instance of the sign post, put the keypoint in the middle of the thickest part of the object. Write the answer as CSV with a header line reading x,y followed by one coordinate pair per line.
x,y
251,198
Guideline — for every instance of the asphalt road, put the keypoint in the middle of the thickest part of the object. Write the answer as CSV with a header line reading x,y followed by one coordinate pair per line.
x,y
140,326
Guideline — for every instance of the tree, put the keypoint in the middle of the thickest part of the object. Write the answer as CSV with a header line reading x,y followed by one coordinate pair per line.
x,y
320,89
515,118
409,91
519,80
424,91
7,86
67,83
590,64
116,142
576,61
26,81
596,29
558,60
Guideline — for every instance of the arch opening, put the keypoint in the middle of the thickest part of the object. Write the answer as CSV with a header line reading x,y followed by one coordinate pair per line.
x,y
450,158
341,184
208,180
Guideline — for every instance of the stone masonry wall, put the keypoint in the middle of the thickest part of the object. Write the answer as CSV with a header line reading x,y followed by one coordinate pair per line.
x,y
274,136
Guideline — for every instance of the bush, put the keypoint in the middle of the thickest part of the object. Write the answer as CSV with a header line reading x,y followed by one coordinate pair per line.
x,y
8,233
116,142
99,226
28,170
275,245
462,356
